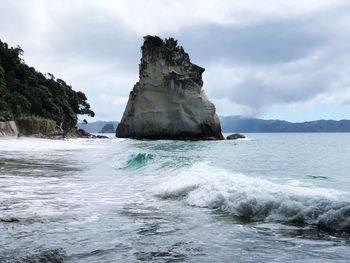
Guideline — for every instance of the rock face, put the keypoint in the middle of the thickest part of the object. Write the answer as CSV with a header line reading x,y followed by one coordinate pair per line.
x,y
235,136
108,128
8,128
168,101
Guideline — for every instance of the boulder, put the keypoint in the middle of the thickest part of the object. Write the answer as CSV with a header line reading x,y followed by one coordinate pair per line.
x,y
168,101
81,133
235,136
8,128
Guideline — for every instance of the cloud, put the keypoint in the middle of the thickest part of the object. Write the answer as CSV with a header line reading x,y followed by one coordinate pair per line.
x,y
264,43
257,54
313,68
320,76
167,16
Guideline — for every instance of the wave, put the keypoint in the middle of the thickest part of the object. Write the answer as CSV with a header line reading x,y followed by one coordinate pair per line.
x,y
49,255
139,160
45,145
155,162
255,199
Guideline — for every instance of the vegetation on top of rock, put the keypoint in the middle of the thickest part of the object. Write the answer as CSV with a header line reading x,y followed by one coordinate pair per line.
x,y
153,41
29,97
167,48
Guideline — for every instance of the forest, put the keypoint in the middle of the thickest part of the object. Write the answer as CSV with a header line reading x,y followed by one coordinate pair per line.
x,y
37,102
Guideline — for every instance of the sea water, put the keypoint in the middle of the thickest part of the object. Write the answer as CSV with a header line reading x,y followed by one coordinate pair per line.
x,y
267,198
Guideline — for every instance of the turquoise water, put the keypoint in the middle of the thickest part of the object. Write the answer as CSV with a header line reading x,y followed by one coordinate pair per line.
x,y
268,198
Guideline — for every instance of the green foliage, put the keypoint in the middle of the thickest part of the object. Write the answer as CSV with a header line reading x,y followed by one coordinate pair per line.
x,y
171,50
153,41
33,124
24,92
170,43
5,114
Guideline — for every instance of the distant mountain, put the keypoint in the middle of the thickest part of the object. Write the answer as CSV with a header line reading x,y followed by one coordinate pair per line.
x,y
241,124
96,127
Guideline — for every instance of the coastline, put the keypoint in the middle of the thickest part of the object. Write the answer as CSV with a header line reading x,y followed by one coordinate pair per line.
x,y
56,135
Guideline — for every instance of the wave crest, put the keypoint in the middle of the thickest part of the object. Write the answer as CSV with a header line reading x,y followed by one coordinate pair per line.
x,y
255,199
139,160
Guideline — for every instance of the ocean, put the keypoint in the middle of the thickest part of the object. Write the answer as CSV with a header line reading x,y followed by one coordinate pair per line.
x,y
280,197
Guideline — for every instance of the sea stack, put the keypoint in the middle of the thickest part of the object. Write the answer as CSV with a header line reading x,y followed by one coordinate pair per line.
x,y
168,101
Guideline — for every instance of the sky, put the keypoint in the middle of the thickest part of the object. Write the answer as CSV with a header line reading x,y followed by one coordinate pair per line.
x,y
269,59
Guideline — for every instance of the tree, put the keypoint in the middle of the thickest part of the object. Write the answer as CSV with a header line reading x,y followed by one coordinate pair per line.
x,y
25,92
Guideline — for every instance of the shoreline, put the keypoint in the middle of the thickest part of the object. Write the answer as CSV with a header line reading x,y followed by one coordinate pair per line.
x,y
56,135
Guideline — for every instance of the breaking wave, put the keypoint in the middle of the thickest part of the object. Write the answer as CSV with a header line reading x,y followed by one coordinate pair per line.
x,y
139,160
155,162
256,199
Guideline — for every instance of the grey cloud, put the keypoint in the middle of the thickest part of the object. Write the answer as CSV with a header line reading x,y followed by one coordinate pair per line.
x,y
314,65
259,87
95,40
86,48
253,65
265,43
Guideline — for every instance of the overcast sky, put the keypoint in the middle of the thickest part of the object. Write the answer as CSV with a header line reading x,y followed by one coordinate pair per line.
x,y
270,59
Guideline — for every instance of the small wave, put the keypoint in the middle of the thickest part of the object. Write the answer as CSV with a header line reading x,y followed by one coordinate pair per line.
x,y
255,199
244,139
317,176
139,160
173,253
45,145
50,255
9,220
158,162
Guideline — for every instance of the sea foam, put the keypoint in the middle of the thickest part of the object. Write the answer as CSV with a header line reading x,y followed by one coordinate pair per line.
x,y
38,145
256,199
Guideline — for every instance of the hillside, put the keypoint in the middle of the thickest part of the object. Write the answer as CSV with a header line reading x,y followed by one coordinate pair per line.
x,y
37,102
240,124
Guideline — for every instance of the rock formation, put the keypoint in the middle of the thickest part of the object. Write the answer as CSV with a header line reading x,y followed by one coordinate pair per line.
x,y
168,101
235,136
8,128
108,128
